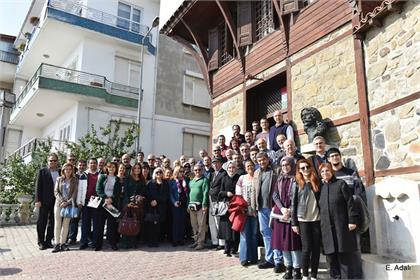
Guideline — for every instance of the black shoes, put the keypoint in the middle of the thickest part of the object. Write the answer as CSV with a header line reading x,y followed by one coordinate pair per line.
x,y
289,273
114,247
65,247
218,248
42,246
57,248
279,268
83,246
49,245
265,265
297,274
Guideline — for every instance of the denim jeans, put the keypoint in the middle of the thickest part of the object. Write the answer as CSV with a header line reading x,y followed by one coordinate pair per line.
x,y
248,241
88,218
277,256
292,258
266,232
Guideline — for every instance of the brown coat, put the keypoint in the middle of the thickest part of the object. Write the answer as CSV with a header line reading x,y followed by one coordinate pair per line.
x,y
58,191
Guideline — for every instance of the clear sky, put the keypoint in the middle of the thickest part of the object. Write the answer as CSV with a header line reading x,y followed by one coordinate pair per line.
x,y
12,14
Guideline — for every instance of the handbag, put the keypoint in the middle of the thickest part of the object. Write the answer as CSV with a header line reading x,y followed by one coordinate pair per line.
x,y
129,225
364,218
152,217
69,212
194,206
94,201
213,208
222,208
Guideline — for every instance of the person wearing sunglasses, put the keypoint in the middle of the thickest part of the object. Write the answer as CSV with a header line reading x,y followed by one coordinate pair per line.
x,y
306,216
198,202
45,201
338,223
157,197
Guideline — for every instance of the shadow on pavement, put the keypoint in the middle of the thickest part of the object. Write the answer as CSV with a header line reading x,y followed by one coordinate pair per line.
x,y
5,250
9,271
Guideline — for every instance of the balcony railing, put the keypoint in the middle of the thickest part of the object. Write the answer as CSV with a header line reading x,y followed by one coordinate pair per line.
x,y
26,149
9,57
77,77
77,9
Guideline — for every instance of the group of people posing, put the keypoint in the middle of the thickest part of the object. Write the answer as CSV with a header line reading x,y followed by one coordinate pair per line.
x,y
259,185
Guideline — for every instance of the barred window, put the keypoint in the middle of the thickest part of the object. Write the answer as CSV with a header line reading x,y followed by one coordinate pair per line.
x,y
225,53
264,23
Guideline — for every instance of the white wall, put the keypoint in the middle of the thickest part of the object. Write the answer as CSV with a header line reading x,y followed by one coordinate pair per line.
x,y
168,138
77,52
68,117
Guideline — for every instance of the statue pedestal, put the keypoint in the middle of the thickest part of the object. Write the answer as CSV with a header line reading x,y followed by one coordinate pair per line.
x,y
307,149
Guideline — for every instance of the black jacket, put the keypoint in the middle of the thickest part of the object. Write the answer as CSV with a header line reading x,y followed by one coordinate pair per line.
x,y
44,191
216,183
337,211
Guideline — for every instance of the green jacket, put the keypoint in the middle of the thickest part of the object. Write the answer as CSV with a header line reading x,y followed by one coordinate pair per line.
x,y
199,191
100,190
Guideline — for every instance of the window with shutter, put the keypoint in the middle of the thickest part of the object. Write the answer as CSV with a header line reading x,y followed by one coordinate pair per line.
x,y
264,23
225,45
244,23
213,49
193,143
289,6
195,90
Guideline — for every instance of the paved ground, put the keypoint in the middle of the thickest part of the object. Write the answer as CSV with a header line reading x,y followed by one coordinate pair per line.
x,y
21,259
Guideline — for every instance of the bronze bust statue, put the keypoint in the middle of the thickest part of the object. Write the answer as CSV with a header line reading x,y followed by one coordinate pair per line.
x,y
313,123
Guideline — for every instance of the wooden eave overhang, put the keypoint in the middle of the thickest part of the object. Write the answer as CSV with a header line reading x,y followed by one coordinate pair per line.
x,y
175,19
364,22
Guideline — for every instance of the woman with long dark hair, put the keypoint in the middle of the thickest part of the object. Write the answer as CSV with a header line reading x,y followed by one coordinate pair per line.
x,y
284,238
134,191
338,221
108,188
306,215
157,196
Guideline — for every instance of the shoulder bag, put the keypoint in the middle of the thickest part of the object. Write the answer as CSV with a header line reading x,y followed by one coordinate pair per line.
x,y
129,225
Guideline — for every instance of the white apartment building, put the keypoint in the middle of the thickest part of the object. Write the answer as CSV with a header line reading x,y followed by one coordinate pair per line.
x,y
80,66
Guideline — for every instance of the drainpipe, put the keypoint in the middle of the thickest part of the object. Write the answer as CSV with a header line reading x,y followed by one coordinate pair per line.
x,y
154,92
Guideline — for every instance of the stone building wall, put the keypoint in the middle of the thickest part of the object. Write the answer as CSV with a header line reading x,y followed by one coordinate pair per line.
x,y
327,81
226,114
396,137
392,55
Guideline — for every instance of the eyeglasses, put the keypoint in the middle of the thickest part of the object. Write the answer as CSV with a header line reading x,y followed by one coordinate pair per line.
x,y
305,168
197,169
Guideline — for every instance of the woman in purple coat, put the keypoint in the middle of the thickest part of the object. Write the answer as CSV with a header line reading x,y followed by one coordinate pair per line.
x,y
283,238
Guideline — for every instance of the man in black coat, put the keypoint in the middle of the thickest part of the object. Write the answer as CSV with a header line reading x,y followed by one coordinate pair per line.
x,y
215,184
45,200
